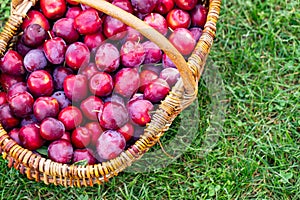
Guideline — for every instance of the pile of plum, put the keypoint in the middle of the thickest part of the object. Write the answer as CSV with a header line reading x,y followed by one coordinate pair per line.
x,y
82,85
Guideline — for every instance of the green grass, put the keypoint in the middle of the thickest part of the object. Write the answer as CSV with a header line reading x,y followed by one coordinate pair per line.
x,y
256,154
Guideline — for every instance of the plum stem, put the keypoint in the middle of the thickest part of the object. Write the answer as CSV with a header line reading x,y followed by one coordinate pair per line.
x,y
49,34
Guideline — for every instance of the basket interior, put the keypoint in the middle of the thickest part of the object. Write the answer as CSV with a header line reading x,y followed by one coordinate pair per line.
x,y
181,96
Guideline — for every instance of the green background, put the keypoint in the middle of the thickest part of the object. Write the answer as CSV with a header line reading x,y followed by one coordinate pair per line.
x,y
256,155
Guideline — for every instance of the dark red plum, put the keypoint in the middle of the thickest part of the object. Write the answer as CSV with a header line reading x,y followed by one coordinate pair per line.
x,y
157,90
167,62
101,84
127,82
40,83
158,22
7,80
66,136
81,137
34,35
55,50
53,9
7,119
35,17
89,70
88,22
84,154
95,130
61,151
199,16
14,134
2,98
76,87
110,144
132,54
113,116
144,6
133,35
21,104
127,131
153,52
77,55
71,117
91,106
30,137
34,60
12,63
178,18
21,48
186,4
183,41
196,32
171,75
124,4
44,107
146,77
164,6
139,111
73,12
113,28
107,58
94,40
51,129
15,89
64,28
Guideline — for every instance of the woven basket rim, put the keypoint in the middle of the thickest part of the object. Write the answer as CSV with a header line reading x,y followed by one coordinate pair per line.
x,y
40,168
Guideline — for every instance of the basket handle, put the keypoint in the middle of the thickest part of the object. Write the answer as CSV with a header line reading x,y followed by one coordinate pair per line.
x,y
150,33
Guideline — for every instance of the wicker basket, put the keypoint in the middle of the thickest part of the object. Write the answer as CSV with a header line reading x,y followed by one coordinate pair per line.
x,y
182,95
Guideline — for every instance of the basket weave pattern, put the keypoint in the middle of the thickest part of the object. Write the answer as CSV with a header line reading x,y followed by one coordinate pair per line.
x,y
182,95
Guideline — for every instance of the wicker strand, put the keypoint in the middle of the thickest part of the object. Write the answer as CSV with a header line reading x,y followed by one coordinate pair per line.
x,y
15,20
